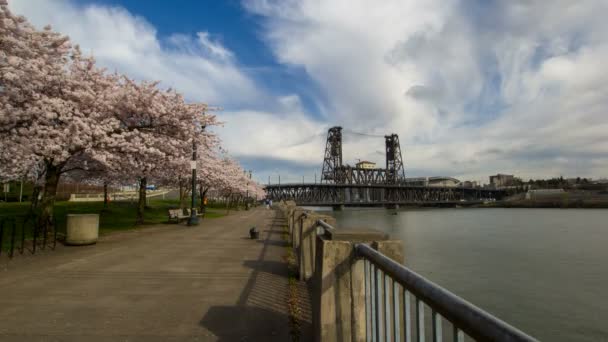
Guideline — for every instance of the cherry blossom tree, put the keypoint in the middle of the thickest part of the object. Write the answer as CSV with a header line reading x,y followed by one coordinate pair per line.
x,y
159,131
59,109
61,114
54,103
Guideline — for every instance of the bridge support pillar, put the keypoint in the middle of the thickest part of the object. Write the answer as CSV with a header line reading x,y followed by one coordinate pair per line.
x,y
338,207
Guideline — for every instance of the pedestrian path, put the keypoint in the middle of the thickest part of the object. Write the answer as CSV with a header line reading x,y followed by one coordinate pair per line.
x,y
171,283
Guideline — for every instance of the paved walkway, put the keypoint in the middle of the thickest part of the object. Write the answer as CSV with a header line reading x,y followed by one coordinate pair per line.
x,y
172,283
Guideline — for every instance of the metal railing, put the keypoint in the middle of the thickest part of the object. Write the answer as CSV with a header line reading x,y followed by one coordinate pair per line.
x,y
325,226
25,233
395,301
388,288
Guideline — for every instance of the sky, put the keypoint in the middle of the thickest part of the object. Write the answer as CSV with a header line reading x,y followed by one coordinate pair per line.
x,y
472,87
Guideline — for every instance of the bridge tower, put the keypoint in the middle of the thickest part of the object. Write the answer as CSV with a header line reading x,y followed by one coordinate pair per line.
x,y
395,171
333,155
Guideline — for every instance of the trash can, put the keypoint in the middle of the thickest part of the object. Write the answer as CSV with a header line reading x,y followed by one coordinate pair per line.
x,y
82,229
254,234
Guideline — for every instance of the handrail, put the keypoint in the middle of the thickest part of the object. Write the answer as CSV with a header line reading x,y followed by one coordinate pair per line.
x,y
325,225
465,316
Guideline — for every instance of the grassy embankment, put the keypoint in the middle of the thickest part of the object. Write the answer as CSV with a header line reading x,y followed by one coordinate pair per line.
x,y
119,216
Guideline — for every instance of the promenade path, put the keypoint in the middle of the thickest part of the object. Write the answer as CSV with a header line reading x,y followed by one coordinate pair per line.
x,y
167,283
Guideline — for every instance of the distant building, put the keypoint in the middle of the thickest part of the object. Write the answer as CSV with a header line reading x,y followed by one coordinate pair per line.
x,y
469,184
447,182
500,180
364,164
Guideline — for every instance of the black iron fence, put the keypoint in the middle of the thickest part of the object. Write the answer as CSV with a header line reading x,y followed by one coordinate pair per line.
x,y
26,234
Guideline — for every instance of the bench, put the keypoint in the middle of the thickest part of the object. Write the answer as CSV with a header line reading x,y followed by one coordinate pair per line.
x,y
177,215
196,213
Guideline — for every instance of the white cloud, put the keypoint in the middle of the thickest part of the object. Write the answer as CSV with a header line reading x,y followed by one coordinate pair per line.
x,y
471,87
200,67
456,79
214,47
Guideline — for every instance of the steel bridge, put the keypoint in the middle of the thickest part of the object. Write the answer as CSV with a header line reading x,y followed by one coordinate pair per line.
x,y
320,195
345,185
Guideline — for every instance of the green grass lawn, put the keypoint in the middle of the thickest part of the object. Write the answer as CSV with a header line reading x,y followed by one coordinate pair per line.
x,y
118,216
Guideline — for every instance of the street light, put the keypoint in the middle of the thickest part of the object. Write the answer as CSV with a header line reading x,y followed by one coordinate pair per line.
x,y
193,220
247,196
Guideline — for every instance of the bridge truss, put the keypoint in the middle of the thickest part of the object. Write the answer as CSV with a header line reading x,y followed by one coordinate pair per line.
x,y
356,186
378,194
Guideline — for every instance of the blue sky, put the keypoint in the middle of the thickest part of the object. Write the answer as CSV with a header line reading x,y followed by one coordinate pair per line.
x,y
473,88
236,29
226,20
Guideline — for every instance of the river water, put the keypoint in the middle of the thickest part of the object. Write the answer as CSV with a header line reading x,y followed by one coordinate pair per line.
x,y
544,271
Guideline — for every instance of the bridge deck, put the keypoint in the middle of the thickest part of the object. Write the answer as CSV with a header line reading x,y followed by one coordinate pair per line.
x,y
379,194
383,204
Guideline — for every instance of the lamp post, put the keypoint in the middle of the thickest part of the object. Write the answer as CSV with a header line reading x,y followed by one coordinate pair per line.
x,y
248,176
193,220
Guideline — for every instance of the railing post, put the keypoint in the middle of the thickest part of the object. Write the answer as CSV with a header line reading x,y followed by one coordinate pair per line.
x,y
289,215
358,305
307,246
339,295
295,227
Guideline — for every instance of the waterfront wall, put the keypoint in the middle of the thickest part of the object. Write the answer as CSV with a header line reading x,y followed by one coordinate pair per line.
x,y
326,260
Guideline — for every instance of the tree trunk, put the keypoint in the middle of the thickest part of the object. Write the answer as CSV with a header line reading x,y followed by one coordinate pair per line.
x,y
105,195
47,203
141,204
182,194
34,199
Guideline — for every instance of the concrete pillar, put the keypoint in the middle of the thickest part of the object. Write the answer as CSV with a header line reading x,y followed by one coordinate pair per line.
x,y
289,217
339,284
295,226
391,248
332,301
358,318
308,236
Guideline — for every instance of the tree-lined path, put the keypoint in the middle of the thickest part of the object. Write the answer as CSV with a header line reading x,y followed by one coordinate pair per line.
x,y
171,283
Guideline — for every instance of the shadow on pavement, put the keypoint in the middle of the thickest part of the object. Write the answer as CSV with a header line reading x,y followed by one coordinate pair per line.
x,y
261,313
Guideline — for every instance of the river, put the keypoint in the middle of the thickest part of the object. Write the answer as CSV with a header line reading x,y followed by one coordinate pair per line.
x,y
544,271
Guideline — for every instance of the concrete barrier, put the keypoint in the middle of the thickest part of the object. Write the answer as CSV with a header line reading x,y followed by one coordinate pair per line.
x,y
337,276
296,219
307,246
82,229
339,283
